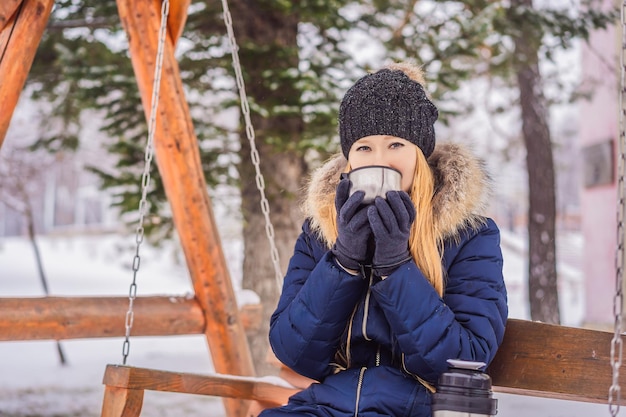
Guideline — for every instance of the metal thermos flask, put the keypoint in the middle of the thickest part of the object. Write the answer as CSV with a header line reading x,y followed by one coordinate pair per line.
x,y
464,391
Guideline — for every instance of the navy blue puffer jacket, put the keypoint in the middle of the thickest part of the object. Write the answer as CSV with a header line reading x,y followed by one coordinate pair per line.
x,y
377,346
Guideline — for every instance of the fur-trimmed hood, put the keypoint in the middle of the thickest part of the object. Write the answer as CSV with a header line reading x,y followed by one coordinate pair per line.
x,y
462,190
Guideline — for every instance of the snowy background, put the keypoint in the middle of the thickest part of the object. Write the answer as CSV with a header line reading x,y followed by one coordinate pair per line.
x,y
33,383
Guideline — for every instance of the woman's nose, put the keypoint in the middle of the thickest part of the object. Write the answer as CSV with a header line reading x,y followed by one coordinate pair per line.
x,y
381,159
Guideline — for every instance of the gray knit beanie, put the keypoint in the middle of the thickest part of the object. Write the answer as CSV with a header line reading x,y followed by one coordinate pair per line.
x,y
387,102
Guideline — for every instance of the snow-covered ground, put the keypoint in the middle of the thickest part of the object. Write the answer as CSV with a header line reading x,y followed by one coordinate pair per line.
x,y
33,383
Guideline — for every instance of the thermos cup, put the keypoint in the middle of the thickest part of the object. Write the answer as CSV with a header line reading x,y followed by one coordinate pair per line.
x,y
464,391
375,180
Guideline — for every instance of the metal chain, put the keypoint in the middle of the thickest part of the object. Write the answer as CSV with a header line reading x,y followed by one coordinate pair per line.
x,y
254,154
145,178
618,300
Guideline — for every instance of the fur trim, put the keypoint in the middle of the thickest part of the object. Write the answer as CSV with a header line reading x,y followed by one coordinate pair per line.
x,y
462,190
320,197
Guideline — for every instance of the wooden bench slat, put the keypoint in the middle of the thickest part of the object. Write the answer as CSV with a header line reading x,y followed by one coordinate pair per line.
x,y
553,361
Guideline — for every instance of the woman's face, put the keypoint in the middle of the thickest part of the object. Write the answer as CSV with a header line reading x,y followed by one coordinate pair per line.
x,y
387,151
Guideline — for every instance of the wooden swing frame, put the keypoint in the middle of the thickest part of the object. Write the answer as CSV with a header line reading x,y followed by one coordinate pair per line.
x,y
535,359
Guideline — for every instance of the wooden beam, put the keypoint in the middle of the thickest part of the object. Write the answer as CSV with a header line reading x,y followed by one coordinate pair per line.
x,y
178,159
246,388
177,18
122,402
7,10
552,361
19,40
59,318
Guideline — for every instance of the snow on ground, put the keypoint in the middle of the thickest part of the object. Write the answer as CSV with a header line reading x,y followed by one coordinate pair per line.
x,y
33,383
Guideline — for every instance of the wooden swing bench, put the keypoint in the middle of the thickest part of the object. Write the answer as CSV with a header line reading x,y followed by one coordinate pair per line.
x,y
535,359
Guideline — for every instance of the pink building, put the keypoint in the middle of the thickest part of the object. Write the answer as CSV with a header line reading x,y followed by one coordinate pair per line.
x,y
599,136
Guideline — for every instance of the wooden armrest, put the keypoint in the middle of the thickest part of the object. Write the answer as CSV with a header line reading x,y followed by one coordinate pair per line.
x,y
249,388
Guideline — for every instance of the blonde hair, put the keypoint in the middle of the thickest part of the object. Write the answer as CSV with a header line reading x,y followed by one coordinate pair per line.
x,y
425,246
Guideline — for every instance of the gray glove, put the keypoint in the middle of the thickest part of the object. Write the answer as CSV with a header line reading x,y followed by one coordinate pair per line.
x,y
391,221
353,228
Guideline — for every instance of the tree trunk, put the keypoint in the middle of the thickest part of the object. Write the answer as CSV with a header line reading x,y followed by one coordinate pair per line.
x,y
30,222
282,165
542,278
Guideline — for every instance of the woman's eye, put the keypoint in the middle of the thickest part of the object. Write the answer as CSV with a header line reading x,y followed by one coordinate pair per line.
x,y
395,145
363,148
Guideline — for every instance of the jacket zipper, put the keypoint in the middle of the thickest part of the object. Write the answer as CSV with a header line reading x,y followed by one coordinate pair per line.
x,y
366,307
349,339
430,387
359,385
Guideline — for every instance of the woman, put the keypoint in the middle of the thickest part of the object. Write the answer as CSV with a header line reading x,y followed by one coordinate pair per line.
x,y
379,296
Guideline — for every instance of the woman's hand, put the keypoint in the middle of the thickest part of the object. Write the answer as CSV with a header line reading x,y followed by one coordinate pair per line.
x,y
350,248
391,220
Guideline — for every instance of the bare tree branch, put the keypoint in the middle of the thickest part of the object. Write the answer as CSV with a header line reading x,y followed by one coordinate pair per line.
x,y
95,23
397,33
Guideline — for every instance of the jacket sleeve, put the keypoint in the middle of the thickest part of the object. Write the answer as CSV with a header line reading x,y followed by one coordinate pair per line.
x,y
468,323
316,302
